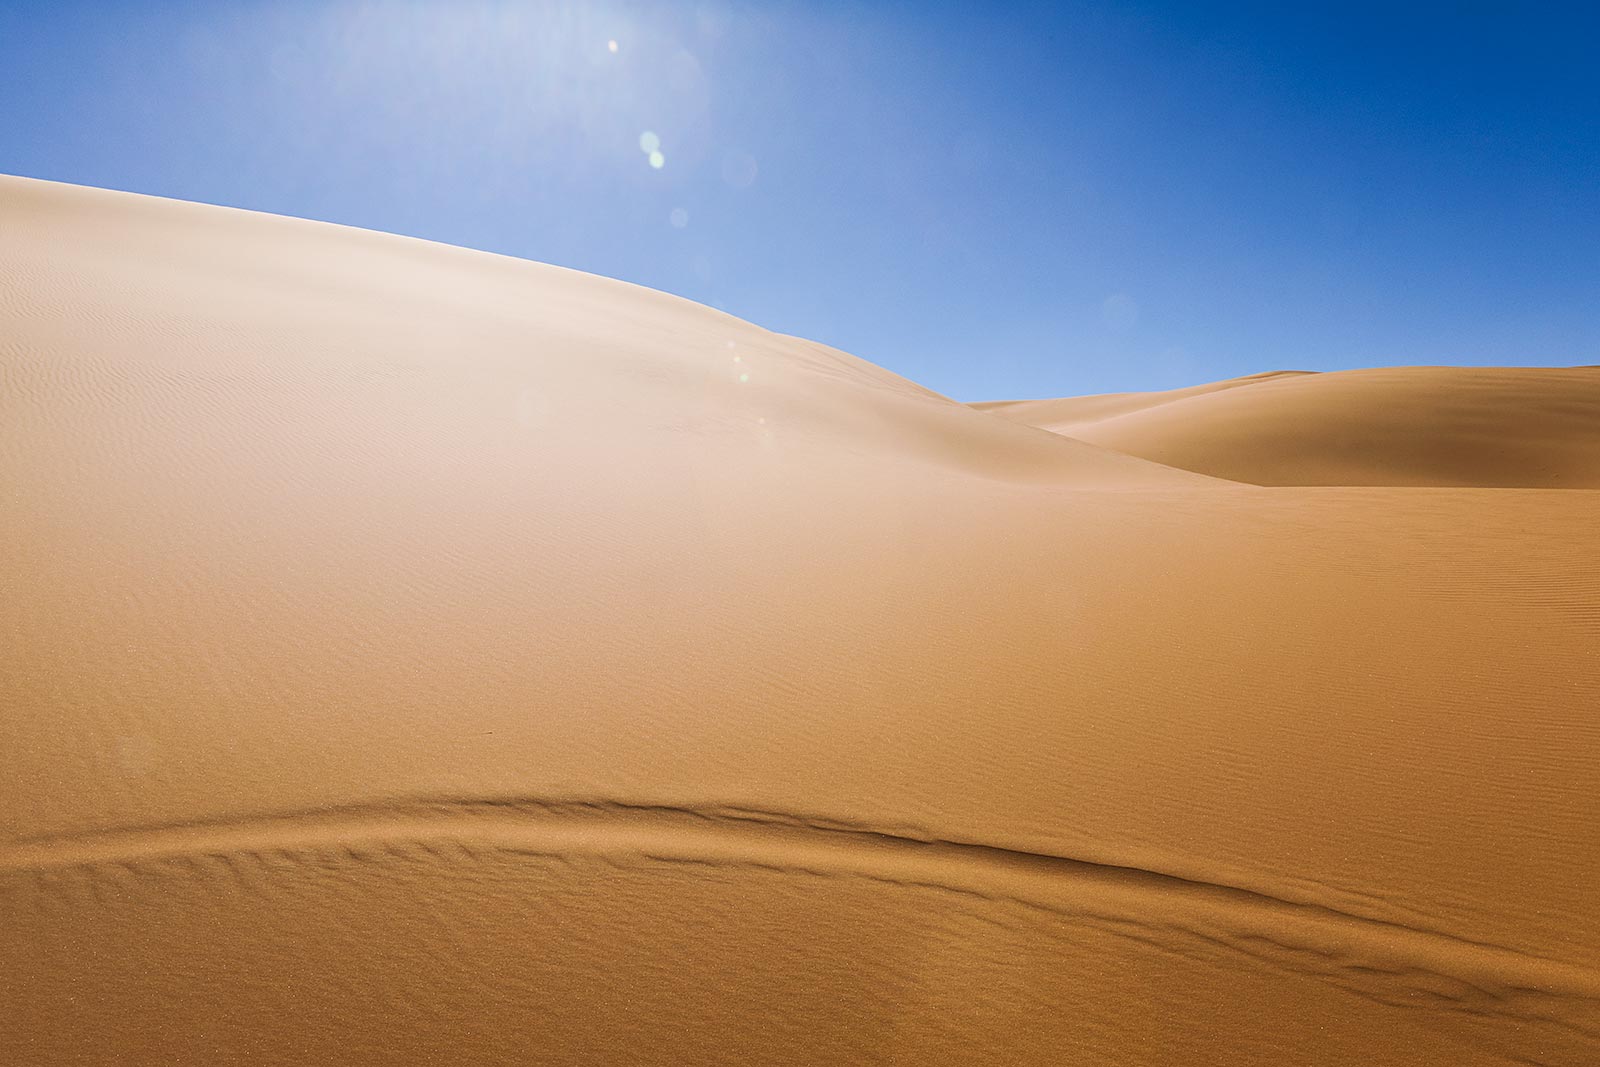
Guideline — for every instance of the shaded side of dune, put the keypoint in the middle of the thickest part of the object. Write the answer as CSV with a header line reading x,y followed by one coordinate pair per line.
x,y
1416,426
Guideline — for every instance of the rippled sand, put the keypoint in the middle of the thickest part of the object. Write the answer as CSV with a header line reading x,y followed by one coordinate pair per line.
x,y
414,656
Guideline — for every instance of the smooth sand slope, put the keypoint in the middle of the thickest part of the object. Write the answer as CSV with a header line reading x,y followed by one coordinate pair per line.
x,y
416,656
1536,428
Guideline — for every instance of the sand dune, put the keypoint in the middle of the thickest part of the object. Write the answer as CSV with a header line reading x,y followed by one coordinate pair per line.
x,y
1058,414
414,655
1418,426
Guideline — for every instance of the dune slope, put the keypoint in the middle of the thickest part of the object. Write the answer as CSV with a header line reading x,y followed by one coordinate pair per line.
x,y
1529,427
414,655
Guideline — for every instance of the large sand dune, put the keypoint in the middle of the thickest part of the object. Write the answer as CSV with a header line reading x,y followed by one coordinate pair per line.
x,y
418,656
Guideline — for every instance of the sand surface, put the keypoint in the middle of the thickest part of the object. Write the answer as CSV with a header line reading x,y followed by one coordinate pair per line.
x,y
1506,427
418,656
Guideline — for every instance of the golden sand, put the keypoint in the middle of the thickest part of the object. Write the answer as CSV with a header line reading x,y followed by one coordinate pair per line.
x,y
415,656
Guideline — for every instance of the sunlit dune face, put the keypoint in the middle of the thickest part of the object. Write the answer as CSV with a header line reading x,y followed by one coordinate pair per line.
x,y
393,624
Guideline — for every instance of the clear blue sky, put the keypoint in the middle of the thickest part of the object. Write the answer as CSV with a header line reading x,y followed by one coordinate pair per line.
x,y
996,201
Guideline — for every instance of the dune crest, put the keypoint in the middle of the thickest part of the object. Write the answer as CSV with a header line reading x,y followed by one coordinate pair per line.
x,y
1510,427
415,655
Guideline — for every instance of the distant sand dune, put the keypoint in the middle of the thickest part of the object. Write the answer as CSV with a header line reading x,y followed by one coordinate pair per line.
x,y
1421,426
413,655
1056,414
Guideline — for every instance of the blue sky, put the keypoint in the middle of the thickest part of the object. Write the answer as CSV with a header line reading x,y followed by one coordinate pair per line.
x,y
994,200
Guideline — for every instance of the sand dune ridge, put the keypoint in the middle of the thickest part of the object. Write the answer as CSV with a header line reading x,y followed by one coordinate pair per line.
x,y
1375,958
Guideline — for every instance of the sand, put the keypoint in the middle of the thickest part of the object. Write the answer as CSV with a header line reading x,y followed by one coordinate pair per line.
x,y
1505,427
413,656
